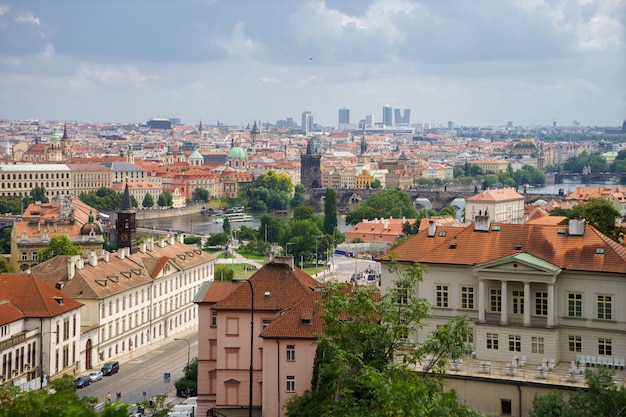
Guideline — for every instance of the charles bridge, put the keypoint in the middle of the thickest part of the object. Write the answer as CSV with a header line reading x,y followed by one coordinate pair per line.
x,y
348,199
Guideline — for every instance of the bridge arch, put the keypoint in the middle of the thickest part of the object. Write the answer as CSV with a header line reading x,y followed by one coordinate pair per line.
x,y
421,202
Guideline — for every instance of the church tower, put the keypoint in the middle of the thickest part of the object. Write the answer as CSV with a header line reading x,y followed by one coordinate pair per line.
x,y
310,172
254,133
364,159
126,224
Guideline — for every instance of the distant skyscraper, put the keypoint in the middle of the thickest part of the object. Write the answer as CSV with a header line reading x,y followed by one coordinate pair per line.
x,y
402,118
387,116
369,120
307,122
344,119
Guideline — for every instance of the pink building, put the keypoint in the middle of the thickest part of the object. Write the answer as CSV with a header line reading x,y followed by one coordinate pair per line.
x,y
283,336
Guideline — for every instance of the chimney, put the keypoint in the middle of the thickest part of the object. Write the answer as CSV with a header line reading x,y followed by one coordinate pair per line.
x,y
287,260
71,265
93,258
432,228
181,238
151,244
269,257
576,227
172,239
162,242
142,247
106,256
481,223
80,262
121,253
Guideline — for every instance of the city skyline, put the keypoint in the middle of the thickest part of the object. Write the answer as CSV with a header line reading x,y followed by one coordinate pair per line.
x,y
474,63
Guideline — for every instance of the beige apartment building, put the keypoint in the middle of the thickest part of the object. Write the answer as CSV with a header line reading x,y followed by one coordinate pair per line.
x,y
501,205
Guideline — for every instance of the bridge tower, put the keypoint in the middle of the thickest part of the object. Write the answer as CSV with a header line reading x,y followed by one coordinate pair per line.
x,y
310,171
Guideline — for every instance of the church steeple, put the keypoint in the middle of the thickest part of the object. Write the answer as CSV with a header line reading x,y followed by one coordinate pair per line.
x,y
126,224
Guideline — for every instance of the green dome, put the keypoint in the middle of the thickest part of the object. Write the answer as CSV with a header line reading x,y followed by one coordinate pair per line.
x,y
237,152
55,137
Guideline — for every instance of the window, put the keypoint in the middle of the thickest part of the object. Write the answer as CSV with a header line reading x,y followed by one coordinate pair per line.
x,y
518,302
574,304
213,318
604,346
604,304
34,256
541,303
441,293
265,323
495,299
291,383
575,344
492,341
537,344
403,295
291,353
24,256
515,343
467,298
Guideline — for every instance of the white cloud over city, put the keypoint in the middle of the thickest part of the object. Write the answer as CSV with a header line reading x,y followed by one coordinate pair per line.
x,y
478,62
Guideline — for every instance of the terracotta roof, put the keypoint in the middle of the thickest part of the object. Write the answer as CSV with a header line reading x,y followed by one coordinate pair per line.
x,y
276,287
500,194
302,321
214,291
34,297
465,246
9,312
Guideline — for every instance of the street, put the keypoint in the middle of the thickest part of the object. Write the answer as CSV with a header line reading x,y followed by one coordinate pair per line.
x,y
144,373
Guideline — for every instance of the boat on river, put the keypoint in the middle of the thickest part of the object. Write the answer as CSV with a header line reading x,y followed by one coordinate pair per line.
x,y
234,217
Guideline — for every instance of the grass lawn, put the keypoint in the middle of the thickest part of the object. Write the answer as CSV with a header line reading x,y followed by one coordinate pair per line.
x,y
255,256
240,271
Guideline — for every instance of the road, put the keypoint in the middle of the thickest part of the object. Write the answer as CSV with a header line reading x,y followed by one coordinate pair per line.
x,y
343,267
144,373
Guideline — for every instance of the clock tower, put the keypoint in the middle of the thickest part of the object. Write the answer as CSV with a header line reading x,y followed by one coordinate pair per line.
x,y
126,225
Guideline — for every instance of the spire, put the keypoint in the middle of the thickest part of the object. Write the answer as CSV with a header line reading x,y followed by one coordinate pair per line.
x,y
363,144
200,127
126,198
65,138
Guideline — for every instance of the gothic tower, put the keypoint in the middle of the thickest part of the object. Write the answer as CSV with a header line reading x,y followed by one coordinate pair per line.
x,y
126,224
310,172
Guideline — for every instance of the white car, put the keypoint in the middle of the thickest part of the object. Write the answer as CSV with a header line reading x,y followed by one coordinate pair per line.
x,y
95,376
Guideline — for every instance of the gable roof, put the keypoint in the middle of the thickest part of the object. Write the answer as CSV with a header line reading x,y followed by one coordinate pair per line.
x,y
302,321
9,312
34,297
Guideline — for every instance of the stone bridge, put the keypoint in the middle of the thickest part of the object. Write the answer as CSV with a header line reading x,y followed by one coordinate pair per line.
x,y
349,199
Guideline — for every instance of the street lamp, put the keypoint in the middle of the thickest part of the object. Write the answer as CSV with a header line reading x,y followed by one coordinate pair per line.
x,y
41,356
316,237
251,346
187,371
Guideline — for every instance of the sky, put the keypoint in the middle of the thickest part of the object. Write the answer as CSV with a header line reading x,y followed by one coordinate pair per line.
x,y
472,62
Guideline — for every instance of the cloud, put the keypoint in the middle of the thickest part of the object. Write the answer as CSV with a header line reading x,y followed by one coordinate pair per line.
x,y
110,75
4,9
238,44
28,18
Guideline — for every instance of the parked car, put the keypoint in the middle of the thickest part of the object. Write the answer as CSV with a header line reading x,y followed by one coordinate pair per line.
x,y
82,381
95,376
110,368
135,411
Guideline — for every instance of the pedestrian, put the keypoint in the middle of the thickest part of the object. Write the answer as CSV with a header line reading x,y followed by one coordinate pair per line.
x,y
107,399
119,396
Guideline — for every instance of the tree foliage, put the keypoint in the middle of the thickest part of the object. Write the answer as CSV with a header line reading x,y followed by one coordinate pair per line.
x,y
299,195
390,203
61,400
58,245
224,272
188,384
595,161
271,228
355,370
165,199
200,194
599,213
330,211
604,398
271,190
38,194
148,201
104,199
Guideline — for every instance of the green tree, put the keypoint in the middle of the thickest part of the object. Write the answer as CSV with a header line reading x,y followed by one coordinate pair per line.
x,y
270,190
376,184
390,203
226,226
270,229
200,194
148,201
165,199
301,234
600,214
188,384
133,201
58,245
604,398
330,211
13,205
104,199
38,194
5,240
224,272
299,196
216,239
448,211
5,266
355,369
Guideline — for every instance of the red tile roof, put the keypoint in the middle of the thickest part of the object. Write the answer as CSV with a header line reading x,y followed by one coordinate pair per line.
x,y
34,297
465,246
302,321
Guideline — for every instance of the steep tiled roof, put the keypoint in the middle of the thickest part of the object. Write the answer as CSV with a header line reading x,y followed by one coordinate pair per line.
x,y
214,291
302,321
276,287
500,194
465,246
9,312
34,297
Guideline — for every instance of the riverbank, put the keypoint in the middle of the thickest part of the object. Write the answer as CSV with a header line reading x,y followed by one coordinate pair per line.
x,y
164,213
